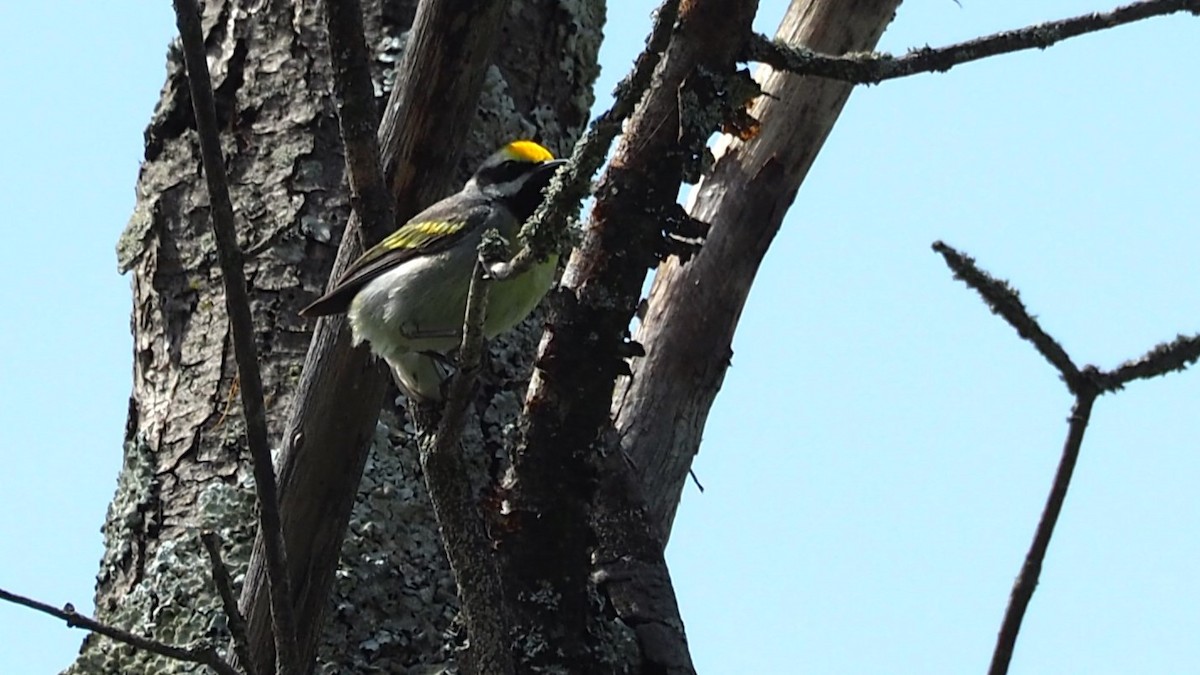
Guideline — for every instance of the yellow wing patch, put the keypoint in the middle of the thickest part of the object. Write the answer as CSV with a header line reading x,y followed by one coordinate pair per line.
x,y
418,235
528,151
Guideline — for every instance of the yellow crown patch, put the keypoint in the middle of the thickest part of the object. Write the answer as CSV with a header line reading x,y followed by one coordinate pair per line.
x,y
528,151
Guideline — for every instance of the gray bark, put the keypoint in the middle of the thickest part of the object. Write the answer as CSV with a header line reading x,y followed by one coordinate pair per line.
x,y
693,309
186,466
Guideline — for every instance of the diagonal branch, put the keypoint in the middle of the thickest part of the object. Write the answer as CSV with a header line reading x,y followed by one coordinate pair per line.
x,y
1005,301
237,623
1031,569
1165,358
205,656
237,305
445,476
870,68
693,309
358,118
463,527
557,462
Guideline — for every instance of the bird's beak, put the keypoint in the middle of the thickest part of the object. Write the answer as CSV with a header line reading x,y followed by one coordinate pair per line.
x,y
539,180
550,167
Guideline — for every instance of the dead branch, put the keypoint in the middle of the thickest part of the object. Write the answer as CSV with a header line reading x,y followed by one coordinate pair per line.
x,y
693,309
457,507
1086,385
205,656
872,68
1004,300
567,409
1165,358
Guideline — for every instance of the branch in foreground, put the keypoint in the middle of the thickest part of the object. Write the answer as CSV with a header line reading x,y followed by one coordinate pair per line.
x,y
237,624
463,529
693,309
237,305
567,409
875,68
1005,301
631,568
344,376
205,656
540,235
464,532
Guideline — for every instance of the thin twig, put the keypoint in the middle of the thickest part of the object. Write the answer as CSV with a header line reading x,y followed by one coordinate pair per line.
x,y
237,305
464,531
1162,359
205,656
542,232
470,352
1005,301
1027,580
358,117
875,68
221,579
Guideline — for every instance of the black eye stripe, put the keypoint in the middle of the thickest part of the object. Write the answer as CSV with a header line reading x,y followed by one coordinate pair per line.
x,y
503,172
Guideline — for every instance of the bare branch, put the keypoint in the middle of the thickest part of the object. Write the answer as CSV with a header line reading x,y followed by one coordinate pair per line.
x,y
1031,570
237,305
1005,301
220,573
464,530
1086,385
205,656
875,68
631,569
358,118
1168,357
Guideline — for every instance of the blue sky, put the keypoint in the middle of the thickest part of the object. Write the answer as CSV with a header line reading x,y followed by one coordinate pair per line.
x,y
878,457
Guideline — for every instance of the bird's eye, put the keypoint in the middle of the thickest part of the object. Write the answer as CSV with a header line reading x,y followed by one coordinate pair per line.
x,y
505,171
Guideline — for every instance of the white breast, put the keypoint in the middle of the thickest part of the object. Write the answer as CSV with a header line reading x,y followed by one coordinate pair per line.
x,y
418,306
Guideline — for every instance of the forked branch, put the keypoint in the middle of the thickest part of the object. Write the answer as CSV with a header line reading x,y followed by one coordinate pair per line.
x,y
1086,384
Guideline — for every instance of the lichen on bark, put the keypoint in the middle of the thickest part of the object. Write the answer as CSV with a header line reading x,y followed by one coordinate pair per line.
x,y
186,465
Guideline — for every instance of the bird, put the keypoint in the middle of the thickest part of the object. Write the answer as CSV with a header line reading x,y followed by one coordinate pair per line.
x,y
406,296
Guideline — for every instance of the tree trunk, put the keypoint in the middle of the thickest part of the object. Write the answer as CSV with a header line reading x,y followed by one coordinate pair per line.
x,y
186,467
